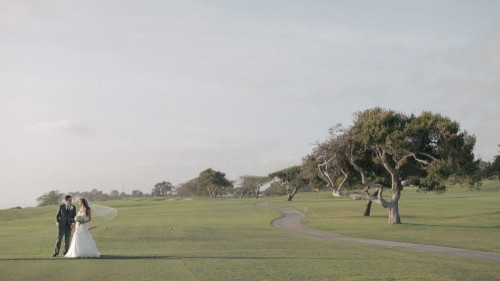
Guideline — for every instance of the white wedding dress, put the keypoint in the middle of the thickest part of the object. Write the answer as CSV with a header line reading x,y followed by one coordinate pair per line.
x,y
82,244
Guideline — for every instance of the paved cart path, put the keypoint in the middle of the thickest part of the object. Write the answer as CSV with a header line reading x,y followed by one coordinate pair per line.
x,y
290,222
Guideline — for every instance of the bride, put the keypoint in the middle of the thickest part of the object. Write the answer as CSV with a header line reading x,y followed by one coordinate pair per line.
x,y
82,244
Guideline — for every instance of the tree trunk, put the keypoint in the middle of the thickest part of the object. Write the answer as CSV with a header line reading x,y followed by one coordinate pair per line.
x,y
292,194
369,205
212,191
396,187
257,193
394,214
394,217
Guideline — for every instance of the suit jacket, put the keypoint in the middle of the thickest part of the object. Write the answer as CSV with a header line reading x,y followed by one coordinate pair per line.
x,y
65,217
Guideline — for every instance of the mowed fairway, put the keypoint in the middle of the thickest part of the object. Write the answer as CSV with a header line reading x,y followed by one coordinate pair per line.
x,y
459,218
230,239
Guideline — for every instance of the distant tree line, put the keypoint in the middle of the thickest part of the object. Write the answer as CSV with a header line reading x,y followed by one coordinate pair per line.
x,y
311,175
212,183
55,197
491,170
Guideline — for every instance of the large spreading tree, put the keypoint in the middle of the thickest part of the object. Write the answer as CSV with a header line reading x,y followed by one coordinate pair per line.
x,y
384,148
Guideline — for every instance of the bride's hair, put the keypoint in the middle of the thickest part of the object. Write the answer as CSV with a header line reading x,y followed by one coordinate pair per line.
x,y
85,204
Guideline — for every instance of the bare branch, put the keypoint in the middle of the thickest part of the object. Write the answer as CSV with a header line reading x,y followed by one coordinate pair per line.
x,y
425,163
325,173
402,160
428,155
345,178
386,164
356,196
411,154
353,163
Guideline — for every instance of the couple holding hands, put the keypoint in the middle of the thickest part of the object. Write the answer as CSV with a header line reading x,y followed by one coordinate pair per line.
x,y
67,217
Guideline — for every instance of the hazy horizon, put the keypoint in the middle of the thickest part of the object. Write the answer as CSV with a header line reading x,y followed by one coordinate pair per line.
x,y
125,94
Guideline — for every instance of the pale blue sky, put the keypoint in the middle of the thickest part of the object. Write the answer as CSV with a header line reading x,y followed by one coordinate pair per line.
x,y
124,94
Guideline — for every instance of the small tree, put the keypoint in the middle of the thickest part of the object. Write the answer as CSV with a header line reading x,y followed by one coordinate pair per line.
x,y
213,182
188,188
114,194
275,189
494,168
291,178
137,193
50,198
162,189
253,184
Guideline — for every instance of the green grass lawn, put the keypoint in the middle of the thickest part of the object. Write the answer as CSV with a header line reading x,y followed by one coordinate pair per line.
x,y
230,239
459,218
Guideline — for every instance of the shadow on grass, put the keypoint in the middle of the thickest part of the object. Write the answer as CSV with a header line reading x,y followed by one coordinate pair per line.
x,y
138,257
452,226
103,257
160,257
116,257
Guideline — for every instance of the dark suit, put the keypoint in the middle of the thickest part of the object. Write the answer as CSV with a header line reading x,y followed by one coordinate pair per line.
x,y
64,219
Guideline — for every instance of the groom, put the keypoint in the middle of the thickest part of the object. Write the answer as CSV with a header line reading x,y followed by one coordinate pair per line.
x,y
65,219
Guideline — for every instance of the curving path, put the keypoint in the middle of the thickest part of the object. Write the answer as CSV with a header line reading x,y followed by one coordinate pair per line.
x,y
290,222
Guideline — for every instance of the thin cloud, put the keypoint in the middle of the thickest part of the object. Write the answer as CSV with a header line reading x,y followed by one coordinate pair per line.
x,y
474,97
488,53
362,88
62,127
475,105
